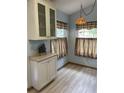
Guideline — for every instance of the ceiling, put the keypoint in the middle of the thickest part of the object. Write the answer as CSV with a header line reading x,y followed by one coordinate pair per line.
x,y
71,6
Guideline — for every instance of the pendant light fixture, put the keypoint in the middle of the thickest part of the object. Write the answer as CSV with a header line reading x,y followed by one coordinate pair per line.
x,y
81,20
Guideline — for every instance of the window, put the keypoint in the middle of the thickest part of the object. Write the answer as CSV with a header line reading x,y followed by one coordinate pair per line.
x,y
86,41
87,33
62,29
88,30
59,45
61,32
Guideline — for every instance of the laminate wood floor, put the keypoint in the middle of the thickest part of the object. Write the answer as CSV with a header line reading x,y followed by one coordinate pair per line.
x,y
72,79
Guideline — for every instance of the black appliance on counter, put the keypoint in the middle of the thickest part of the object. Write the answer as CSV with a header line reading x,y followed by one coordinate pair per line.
x,y
42,49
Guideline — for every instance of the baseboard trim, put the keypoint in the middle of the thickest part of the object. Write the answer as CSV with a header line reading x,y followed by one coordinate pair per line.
x,y
63,66
81,65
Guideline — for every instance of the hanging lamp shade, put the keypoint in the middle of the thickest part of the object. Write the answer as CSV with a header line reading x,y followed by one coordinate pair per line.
x,y
80,21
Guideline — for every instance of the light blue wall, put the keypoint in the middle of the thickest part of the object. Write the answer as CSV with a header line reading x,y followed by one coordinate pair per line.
x,y
62,16
72,36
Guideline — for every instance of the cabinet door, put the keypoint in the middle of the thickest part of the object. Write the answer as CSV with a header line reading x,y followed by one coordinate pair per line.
x,y
42,19
52,22
43,74
52,68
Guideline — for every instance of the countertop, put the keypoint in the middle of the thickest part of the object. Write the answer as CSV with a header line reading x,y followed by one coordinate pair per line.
x,y
42,57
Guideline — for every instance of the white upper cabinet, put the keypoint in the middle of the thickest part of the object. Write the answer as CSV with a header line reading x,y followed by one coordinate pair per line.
x,y
41,20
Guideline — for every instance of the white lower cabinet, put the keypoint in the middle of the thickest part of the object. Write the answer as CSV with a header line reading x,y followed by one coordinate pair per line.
x,y
43,72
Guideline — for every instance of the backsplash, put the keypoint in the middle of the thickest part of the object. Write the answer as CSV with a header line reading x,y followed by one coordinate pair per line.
x,y
32,46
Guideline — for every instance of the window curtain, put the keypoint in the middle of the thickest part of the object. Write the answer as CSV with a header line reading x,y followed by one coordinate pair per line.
x,y
62,25
59,46
88,25
86,47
